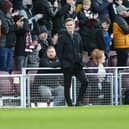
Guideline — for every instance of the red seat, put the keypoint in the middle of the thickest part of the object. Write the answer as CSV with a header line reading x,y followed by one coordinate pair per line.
x,y
5,84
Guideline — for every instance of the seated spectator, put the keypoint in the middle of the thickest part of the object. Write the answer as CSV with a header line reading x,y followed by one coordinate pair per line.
x,y
99,92
49,91
51,59
97,59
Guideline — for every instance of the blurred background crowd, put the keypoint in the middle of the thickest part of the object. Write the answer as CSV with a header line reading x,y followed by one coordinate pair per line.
x,y
29,30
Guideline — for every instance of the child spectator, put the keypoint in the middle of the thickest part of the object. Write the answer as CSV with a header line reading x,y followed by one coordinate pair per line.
x,y
97,94
104,40
33,57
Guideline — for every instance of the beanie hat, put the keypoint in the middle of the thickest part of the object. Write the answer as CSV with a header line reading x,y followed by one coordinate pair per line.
x,y
6,5
43,30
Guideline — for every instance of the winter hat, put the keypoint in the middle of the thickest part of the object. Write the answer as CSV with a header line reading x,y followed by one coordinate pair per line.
x,y
43,30
6,5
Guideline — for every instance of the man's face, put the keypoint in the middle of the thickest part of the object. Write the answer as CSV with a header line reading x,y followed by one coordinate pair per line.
x,y
51,53
70,26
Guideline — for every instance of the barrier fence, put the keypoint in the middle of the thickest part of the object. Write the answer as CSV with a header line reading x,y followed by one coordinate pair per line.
x,y
43,87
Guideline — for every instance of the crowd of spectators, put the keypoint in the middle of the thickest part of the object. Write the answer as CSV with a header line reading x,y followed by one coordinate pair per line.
x,y
29,27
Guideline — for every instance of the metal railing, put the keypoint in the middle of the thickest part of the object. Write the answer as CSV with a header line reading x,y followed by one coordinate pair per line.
x,y
109,92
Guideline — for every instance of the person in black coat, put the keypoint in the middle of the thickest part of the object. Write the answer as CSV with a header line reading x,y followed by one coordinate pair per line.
x,y
50,87
69,50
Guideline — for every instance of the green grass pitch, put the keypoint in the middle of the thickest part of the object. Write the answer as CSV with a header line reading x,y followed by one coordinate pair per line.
x,y
89,117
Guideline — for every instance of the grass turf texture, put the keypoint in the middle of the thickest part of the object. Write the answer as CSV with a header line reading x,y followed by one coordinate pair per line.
x,y
94,117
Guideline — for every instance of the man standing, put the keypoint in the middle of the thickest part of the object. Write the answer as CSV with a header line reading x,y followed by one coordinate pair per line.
x,y
121,35
69,51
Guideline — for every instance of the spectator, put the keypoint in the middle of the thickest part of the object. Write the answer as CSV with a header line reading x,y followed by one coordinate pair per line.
x,y
44,41
26,12
48,91
33,58
10,41
88,23
114,5
19,52
97,94
121,36
101,7
69,51
5,7
52,61
43,7
58,19
104,40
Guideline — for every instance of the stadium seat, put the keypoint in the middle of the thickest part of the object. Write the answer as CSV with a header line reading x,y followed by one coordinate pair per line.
x,y
112,58
5,84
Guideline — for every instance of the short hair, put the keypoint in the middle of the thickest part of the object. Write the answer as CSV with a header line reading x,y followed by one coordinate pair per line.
x,y
86,1
106,19
68,19
51,47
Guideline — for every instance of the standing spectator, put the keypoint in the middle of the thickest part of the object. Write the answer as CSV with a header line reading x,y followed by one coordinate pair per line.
x,y
113,11
26,12
10,42
69,51
104,40
43,7
33,58
101,7
88,22
121,36
19,52
58,19
5,7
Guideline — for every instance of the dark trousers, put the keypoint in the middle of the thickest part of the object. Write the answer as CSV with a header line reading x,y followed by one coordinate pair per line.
x,y
80,75
122,56
6,59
